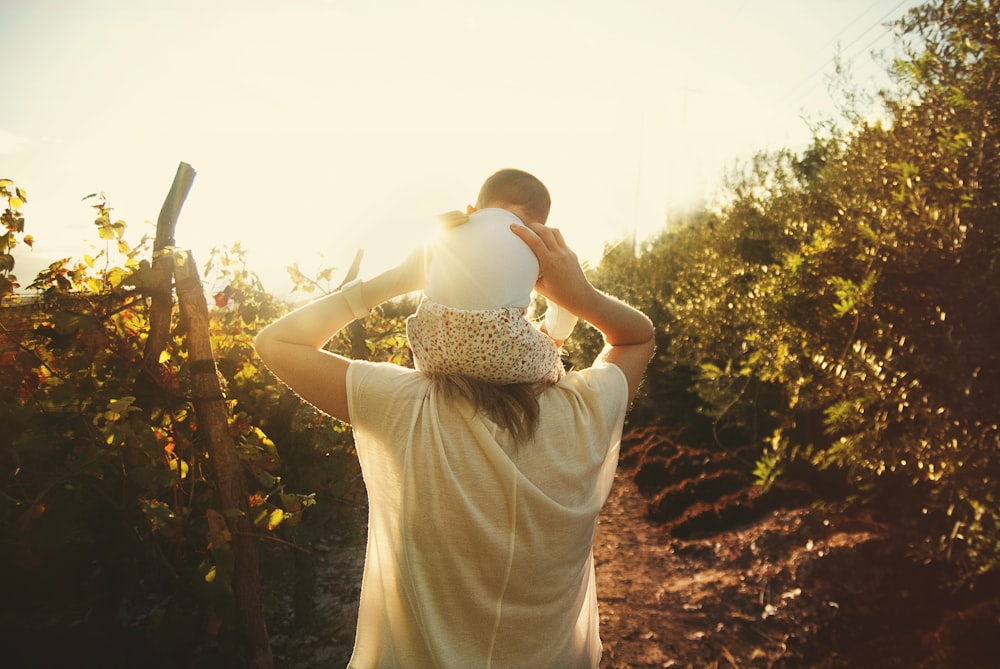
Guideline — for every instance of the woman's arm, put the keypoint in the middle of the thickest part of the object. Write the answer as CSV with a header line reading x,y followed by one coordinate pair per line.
x,y
628,333
292,346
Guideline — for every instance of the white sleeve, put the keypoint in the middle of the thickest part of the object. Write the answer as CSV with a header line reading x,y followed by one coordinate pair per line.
x,y
559,322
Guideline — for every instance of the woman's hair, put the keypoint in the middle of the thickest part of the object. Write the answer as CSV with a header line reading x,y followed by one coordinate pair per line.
x,y
513,407
516,187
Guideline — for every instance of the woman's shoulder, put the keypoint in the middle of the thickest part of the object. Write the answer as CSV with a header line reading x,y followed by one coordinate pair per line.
x,y
366,368
603,383
601,374
382,384
386,376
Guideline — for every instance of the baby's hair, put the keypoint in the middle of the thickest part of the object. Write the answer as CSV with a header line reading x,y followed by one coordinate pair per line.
x,y
516,187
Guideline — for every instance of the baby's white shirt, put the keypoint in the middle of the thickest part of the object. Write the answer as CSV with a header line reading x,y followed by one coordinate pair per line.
x,y
481,264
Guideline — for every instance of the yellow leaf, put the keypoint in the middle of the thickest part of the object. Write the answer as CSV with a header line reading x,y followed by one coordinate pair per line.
x,y
183,465
115,276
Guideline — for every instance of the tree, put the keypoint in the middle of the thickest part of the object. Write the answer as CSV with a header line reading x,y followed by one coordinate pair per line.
x,y
879,317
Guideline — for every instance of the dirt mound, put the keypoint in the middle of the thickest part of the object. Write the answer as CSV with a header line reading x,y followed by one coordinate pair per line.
x,y
696,490
696,569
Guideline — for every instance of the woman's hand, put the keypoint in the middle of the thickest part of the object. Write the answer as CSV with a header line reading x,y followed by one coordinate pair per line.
x,y
628,333
561,278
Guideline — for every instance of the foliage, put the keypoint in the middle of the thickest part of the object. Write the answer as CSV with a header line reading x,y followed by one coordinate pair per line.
x,y
13,223
107,504
646,276
840,306
105,500
897,281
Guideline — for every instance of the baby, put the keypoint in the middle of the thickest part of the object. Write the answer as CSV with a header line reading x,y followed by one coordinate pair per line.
x,y
479,281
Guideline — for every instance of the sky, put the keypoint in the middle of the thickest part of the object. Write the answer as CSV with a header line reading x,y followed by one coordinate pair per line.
x,y
318,127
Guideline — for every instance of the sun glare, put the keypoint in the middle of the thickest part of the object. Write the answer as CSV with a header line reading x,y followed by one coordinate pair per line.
x,y
335,126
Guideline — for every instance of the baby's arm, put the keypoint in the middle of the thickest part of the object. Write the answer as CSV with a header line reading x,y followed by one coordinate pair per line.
x,y
411,274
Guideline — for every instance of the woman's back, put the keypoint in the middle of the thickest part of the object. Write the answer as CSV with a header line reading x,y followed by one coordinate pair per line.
x,y
480,551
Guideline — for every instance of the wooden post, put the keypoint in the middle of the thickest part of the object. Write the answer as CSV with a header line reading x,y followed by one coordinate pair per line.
x,y
210,408
161,294
213,423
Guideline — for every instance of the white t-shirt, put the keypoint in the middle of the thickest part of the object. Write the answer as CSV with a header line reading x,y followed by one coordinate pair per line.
x,y
480,554
481,264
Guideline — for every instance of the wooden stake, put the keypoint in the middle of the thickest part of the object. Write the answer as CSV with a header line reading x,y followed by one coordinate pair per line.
x,y
213,424
161,294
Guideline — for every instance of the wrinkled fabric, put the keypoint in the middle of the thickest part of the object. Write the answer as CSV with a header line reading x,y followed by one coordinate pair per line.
x,y
472,320
498,346
480,553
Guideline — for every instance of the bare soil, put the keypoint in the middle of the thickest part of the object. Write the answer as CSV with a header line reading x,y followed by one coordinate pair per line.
x,y
696,567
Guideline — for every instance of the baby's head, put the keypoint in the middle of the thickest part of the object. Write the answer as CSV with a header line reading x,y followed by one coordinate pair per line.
x,y
518,192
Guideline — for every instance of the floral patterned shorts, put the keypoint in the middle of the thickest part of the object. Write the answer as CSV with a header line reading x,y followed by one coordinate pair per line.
x,y
496,345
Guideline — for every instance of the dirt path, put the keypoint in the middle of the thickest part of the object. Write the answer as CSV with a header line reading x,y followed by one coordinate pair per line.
x,y
664,603
632,560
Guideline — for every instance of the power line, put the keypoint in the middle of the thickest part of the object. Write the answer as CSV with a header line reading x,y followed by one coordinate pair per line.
x,y
847,60
809,82
880,22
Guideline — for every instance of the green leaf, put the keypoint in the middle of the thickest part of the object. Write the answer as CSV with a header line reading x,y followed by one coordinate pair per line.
x,y
710,371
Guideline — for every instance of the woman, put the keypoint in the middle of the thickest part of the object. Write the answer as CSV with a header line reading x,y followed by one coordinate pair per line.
x,y
483,499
